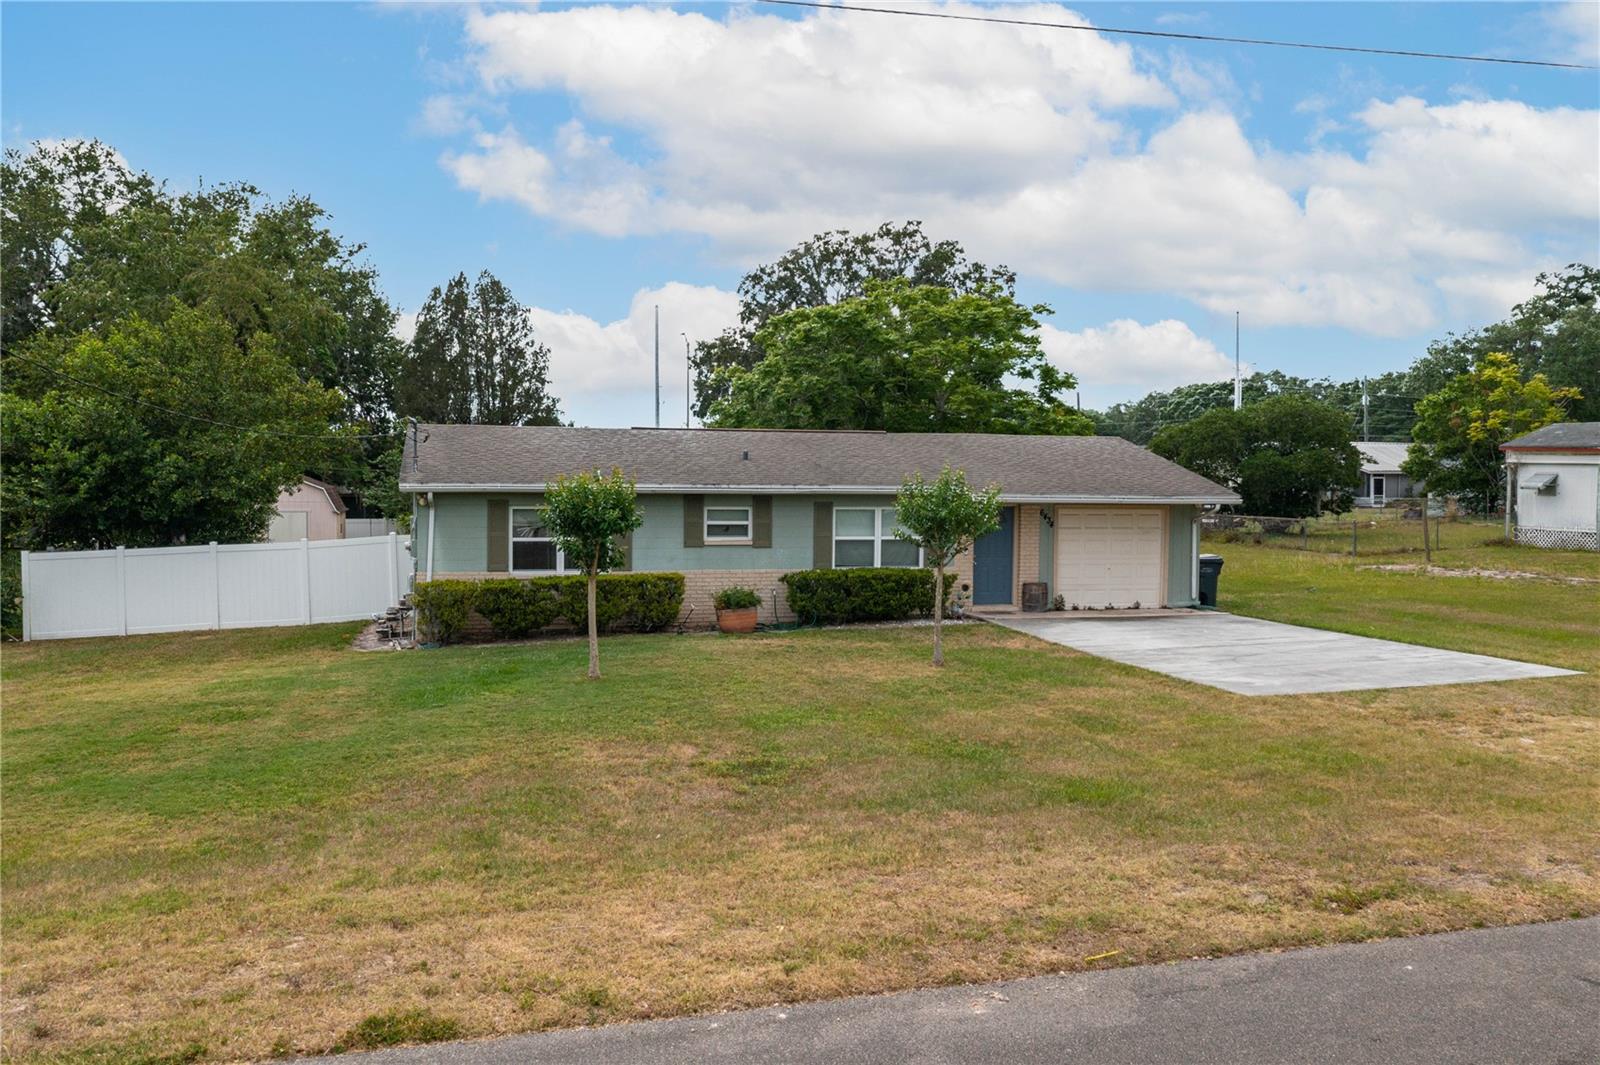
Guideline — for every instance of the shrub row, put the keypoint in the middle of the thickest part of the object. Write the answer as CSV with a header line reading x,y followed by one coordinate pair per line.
x,y
839,596
515,608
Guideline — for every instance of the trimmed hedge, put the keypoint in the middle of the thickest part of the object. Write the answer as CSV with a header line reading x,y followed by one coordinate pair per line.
x,y
839,596
442,609
516,608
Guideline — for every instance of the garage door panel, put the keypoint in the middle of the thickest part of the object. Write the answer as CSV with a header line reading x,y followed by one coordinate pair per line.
x,y
1109,556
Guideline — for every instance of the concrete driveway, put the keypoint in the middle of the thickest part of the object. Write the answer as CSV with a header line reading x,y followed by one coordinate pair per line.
x,y
1254,657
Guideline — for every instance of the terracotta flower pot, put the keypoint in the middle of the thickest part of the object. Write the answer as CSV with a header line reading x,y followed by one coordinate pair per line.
x,y
740,620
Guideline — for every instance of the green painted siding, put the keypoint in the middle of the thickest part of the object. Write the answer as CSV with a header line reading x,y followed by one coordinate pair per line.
x,y
461,525
1180,555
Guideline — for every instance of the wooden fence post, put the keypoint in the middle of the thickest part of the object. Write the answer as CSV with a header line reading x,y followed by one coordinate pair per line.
x,y
1353,523
1427,549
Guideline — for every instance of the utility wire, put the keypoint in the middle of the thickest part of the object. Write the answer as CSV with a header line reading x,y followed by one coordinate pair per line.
x,y
822,5
192,417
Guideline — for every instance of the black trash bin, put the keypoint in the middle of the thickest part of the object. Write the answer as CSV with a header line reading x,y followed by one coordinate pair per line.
x,y
1210,570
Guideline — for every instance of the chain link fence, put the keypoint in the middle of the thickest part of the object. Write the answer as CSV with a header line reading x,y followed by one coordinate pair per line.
x,y
1396,528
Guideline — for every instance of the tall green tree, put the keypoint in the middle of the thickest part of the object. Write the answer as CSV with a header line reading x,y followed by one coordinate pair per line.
x,y
1460,427
1555,333
87,243
903,358
588,515
1389,411
945,518
474,359
827,269
1286,456
156,433
52,200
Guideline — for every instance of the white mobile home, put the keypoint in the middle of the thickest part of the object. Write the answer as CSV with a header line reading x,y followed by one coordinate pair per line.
x,y
1553,482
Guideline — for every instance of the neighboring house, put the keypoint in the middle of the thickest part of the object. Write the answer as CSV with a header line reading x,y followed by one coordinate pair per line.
x,y
1381,479
311,510
1099,520
1556,474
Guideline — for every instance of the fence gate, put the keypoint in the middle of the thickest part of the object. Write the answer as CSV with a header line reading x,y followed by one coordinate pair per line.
x,y
129,591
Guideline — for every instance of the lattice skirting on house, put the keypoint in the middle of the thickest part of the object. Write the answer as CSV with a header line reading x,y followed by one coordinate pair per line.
x,y
1568,539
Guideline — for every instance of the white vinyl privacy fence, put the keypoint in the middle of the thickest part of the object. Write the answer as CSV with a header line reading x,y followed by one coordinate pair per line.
x,y
126,591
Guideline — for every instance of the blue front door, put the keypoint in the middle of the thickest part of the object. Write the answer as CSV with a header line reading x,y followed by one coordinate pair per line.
x,y
991,562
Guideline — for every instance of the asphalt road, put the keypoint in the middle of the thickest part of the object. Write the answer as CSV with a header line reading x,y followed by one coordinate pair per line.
x,y
1525,995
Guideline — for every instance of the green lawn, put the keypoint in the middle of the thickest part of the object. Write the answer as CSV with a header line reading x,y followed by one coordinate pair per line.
x,y
245,844
1387,537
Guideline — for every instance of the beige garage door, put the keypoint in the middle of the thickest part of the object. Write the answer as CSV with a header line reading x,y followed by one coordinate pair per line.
x,y
1109,555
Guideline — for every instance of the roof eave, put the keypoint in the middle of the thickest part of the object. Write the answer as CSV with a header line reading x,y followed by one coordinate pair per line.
x,y
842,489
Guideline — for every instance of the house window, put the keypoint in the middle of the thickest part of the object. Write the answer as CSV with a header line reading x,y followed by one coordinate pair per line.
x,y
532,550
864,536
727,525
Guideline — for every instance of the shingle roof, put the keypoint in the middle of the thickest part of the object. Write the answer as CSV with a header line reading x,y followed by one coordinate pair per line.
x,y
1562,435
1381,457
1043,467
329,490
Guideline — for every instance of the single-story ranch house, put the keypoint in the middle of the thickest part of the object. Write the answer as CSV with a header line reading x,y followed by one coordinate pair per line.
x,y
1100,521
1381,479
1556,471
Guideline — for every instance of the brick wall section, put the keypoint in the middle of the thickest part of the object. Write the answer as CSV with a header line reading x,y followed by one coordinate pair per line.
x,y
962,568
1027,563
701,586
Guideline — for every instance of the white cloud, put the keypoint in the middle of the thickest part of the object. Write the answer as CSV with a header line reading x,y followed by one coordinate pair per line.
x,y
405,325
604,373
1574,31
1125,356
758,131
446,113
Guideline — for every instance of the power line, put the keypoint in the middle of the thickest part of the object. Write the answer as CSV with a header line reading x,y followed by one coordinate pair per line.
x,y
192,417
821,5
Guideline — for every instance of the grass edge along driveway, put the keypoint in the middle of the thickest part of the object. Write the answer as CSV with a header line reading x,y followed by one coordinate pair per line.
x,y
256,843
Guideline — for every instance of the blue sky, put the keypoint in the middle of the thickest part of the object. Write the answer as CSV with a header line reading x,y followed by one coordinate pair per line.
x,y
605,159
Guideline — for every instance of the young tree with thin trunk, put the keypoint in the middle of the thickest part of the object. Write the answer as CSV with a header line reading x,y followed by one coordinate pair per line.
x,y
588,515
945,517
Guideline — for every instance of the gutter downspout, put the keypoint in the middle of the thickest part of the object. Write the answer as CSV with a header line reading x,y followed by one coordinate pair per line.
x,y
432,509
1194,560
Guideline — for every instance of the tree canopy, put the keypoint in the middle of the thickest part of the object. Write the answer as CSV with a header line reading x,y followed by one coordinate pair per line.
x,y
1390,410
156,433
1554,334
1460,427
87,243
903,358
93,250
474,359
1286,456
827,269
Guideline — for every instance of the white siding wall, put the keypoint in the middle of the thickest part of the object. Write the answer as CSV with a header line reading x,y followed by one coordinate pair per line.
x,y
1573,503
231,586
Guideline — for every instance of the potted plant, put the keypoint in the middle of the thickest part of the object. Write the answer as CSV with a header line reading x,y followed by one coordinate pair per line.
x,y
736,609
